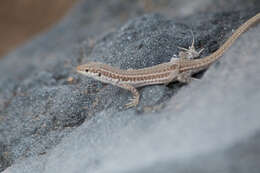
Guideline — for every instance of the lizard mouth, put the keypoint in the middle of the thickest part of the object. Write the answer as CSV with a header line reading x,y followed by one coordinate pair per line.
x,y
80,68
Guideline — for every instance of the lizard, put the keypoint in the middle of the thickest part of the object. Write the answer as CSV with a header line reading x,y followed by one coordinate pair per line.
x,y
178,69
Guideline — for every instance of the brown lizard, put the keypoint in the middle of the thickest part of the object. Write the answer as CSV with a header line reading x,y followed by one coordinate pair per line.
x,y
178,69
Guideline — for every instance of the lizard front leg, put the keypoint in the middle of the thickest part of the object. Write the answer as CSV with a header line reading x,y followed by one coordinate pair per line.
x,y
135,100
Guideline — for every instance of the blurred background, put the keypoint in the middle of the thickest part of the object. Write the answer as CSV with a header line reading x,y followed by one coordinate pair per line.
x,y
21,19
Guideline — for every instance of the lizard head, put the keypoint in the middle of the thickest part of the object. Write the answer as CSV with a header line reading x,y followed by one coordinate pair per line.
x,y
90,69
97,71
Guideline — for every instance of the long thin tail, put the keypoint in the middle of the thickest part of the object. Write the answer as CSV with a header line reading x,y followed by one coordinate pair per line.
x,y
217,54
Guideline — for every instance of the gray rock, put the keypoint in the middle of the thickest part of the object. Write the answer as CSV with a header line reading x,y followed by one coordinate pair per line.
x,y
42,99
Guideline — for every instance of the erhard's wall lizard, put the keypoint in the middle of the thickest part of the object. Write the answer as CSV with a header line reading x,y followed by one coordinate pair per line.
x,y
178,69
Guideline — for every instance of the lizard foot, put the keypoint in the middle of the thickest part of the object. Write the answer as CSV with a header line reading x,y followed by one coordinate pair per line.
x,y
185,77
133,102
191,52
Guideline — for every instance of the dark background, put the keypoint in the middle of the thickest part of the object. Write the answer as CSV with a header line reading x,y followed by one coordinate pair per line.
x,y
21,19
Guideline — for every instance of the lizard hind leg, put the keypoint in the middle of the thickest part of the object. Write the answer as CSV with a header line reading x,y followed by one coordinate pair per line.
x,y
185,77
191,52
173,75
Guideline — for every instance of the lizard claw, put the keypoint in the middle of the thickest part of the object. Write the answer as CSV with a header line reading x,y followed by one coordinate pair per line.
x,y
133,102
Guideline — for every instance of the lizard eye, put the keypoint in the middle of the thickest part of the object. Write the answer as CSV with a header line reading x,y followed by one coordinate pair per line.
x,y
86,70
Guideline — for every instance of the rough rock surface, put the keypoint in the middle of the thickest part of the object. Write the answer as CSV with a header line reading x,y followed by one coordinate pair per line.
x,y
42,99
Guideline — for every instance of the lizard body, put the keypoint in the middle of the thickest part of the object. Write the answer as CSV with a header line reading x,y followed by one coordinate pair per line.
x,y
178,69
